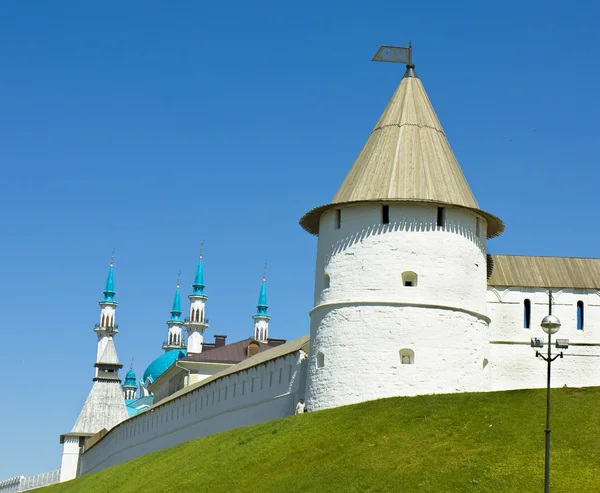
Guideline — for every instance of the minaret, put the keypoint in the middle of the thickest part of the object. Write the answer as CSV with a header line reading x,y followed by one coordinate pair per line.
x,y
174,339
197,323
104,406
130,387
108,307
261,318
400,278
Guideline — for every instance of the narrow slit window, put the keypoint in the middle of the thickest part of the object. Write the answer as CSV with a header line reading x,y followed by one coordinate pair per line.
x,y
477,227
320,360
580,320
527,314
440,217
327,281
338,218
385,212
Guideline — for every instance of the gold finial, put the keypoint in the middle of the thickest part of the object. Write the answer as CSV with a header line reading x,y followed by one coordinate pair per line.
x,y
112,258
178,278
265,272
201,248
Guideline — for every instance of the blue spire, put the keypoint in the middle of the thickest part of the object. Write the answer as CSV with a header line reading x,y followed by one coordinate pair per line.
x,y
261,307
130,380
176,309
109,289
199,279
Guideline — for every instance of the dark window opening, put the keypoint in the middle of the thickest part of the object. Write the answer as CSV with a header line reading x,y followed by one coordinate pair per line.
x,y
338,218
408,283
527,314
440,217
386,214
580,315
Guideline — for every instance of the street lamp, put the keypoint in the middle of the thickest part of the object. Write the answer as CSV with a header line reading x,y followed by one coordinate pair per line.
x,y
550,325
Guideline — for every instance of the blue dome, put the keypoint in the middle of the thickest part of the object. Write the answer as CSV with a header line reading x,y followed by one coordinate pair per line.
x,y
130,379
163,363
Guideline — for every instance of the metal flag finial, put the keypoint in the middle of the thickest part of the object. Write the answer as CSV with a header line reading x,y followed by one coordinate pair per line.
x,y
265,272
394,54
112,258
178,278
201,248
131,364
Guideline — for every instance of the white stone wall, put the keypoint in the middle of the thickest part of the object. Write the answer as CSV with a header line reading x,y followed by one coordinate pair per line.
x,y
512,363
267,391
364,315
22,483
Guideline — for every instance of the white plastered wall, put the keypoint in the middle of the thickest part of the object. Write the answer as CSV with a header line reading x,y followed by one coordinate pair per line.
x,y
513,364
364,315
252,396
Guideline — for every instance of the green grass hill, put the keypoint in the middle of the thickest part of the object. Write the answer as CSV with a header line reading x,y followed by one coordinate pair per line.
x,y
460,442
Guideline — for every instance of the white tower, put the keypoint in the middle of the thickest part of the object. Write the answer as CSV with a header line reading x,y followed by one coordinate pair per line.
x,y
400,306
174,324
261,318
104,406
197,322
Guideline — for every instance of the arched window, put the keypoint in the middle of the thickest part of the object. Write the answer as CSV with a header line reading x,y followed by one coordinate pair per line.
x,y
407,356
580,321
102,321
527,314
200,316
409,278
327,281
320,360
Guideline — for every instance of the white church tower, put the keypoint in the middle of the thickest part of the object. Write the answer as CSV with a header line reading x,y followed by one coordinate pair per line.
x,y
175,324
105,405
197,322
400,288
261,317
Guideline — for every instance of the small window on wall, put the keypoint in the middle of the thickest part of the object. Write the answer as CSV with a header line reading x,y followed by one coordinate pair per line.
x,y
320,360
440,217
580,315
327,282
477,227
409,278
338,218
527,314
385,212
407,356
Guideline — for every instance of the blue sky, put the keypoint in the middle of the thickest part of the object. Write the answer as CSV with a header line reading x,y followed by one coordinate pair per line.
x,y
149,126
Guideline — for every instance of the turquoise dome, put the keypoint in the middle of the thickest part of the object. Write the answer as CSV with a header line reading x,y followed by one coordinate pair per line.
x,y
130,379
163,363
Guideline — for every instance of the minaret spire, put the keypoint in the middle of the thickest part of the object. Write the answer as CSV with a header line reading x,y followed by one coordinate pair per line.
x,y
261,318
196,323
174,339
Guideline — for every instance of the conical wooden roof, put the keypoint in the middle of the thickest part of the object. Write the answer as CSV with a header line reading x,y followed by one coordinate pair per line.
x,y
407,158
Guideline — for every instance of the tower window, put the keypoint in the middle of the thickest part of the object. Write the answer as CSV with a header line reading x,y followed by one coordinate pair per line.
x,y
320,360
327,282
527,314
477,227
338,218
409,278
580,315
440,217
385,212
407,356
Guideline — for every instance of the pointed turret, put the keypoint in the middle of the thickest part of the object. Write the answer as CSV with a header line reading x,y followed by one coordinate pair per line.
x,y
197,322
174,339
407,158
107,328
129,386
261,318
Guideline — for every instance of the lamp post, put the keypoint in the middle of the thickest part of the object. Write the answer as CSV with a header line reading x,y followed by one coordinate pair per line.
x,y
550,325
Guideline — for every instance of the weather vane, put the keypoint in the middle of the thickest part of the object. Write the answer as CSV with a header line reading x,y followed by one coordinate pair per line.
x,y
394,54
178,278
265,272
112,258
201,247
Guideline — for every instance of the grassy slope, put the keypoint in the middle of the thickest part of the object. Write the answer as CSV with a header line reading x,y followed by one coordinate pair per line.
x,y
460,442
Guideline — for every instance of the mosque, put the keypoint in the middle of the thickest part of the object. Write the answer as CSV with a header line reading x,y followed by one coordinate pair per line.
x,y
407,301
